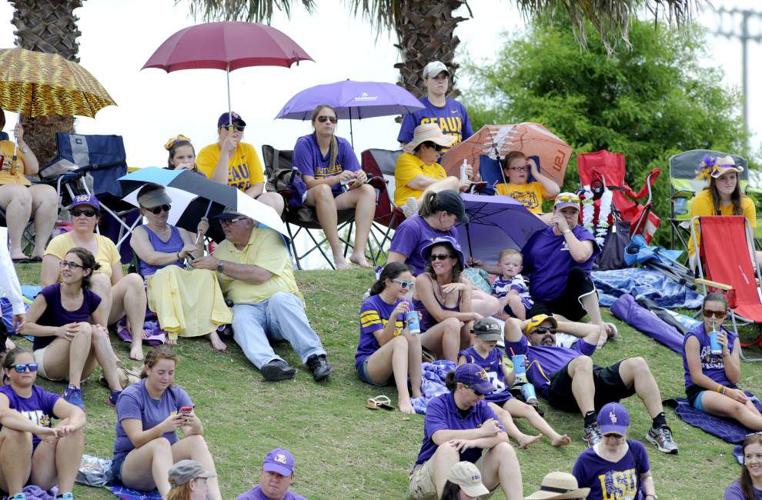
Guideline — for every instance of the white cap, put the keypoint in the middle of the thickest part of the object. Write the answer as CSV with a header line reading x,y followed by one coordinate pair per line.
x,y
434,68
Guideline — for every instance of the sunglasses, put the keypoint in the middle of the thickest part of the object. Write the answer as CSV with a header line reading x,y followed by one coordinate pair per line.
x,y
440,256
567,198
434,146
525,168
231,128
323,119
613,435
70,264
21,368
404,283
714,314
87,212
475,391
542,330
231,221
159,209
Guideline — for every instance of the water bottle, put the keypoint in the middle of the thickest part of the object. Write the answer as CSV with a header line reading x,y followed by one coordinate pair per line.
x,y
413,323
714,345
463,176
344,185
530,397
519,368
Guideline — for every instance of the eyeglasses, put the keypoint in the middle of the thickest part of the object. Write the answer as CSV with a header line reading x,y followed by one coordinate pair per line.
x,y
404,283
21,368
323,119
542,330
525,168
159,209
440,256
70,264
87,212
567,198
714,314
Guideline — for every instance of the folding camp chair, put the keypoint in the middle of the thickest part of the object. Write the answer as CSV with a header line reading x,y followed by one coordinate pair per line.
x,y
305,218
380,164
684,186
728,263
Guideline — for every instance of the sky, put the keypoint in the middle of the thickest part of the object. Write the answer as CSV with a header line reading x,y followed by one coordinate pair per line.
x,y
118,38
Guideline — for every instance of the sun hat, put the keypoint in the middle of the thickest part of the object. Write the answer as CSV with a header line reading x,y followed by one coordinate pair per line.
x,y
187,470
151,196
443,240
434,68
230,118
566,199
467,476
723,165
537,320
474,377
559,485
280,461
451,202
429,132
613,419
85,199
488,329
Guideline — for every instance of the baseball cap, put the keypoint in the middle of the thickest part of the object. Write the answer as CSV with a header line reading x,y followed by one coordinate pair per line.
x,y
85,199
434,68
450,201
566,199
228,214
232,117
280,461
474,377
488,329
467,476
613,419
187,470
152,196
537,320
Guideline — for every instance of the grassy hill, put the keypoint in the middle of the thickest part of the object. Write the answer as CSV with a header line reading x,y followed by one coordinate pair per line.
x,y
343,450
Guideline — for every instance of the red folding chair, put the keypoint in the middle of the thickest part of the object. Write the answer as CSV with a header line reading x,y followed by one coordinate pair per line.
x,y
609,168
728,263
377,164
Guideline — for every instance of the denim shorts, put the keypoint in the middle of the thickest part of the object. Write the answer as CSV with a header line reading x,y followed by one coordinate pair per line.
x,y
362,372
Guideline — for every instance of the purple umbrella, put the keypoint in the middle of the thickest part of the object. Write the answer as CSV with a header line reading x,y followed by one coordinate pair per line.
x,y
495,223
353,100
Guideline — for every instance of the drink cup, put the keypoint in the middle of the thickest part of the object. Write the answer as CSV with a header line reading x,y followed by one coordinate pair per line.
x,y
715,346
530,397
519,367
413,323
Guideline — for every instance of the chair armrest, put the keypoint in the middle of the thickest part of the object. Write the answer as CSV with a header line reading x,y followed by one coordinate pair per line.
x,y
713,284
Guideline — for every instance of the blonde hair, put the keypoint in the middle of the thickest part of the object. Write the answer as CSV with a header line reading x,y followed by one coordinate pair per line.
x,y
509,251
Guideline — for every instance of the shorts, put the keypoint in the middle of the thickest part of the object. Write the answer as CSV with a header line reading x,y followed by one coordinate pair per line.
x,y
568,304
39,358
609,388
116,467
422,485
694,394
362,372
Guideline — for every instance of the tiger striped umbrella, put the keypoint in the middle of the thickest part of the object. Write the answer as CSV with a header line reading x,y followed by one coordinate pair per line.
x,y
41,84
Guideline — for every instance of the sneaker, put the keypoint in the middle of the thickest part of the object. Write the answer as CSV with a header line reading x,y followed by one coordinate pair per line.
x,y
66,496
18,496
662,439
410,208
73,395
112,398
277,370
318,365
592,435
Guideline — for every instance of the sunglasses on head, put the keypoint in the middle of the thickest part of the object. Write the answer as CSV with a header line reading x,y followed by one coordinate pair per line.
x,y
567,198
440,256
231,128
404,283
21,368
70,264
87,212
159,209
323,119
714,314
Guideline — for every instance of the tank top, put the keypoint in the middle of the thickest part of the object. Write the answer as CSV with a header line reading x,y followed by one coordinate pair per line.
x,y
173,245
427,320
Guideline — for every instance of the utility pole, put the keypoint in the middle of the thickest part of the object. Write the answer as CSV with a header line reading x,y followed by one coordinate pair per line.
x,y
745,37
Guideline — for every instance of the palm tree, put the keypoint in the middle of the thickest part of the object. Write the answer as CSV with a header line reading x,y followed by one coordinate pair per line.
x,y
426,28
46,26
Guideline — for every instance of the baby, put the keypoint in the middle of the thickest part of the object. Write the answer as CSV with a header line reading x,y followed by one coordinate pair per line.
x,y
510,288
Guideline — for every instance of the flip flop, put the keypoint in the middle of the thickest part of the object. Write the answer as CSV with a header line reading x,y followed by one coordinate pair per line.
x,y
23,260
383,402
35,259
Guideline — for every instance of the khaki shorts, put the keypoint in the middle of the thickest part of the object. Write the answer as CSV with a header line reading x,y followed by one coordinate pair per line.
x,y
422,485
39,358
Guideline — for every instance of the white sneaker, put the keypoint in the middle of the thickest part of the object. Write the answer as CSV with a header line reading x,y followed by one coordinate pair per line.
x,y
410,208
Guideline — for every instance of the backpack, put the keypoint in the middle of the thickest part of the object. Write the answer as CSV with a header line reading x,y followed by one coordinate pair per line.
x,y
288,182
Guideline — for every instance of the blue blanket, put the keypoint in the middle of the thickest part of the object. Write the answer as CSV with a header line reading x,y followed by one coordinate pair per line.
x,y
640,282
433,385
724,428
124,493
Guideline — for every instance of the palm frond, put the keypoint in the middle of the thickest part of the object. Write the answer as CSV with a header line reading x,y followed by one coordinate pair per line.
x,y
242,10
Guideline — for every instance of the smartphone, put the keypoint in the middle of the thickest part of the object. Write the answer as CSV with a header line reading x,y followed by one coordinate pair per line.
x,y
186,410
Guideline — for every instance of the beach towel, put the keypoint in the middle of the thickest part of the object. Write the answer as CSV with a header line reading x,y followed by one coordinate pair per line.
x,y
724,428
33,492
433,384
654,285
628,310
153,335
124,493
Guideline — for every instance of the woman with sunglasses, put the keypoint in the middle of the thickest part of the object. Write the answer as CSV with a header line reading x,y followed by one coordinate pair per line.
x,y
711,376
122,295
516,169
161,250
335,182
51,455
68,323
148,416
418,170
386,349
749,485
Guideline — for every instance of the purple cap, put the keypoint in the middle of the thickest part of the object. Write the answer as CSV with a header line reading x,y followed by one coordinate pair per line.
x,y
280,461
613,419
474,377
85,199
228,118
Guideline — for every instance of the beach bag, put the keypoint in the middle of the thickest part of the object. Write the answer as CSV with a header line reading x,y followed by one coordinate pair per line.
x,y
288,182
613,251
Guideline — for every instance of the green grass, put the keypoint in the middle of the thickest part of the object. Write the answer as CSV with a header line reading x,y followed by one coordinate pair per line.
x,y
343,450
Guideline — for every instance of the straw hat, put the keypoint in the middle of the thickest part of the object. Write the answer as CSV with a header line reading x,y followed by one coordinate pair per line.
x,y
429,132
558,485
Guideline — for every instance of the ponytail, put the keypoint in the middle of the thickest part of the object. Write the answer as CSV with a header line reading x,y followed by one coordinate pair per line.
x,y
390,271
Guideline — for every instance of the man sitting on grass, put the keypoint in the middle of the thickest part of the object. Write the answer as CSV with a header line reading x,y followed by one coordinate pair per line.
x,y
568,379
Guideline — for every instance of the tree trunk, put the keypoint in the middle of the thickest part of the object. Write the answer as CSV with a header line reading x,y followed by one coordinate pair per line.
x,y
46,26
426,32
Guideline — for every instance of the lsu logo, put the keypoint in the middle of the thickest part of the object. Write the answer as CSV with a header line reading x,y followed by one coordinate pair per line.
x,y
483,375
612,416
280,458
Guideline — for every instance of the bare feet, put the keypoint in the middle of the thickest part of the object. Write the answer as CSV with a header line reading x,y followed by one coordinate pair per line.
x,y
525,440
136,352
217,342
360,260
171,341
560,440
341,263
406,407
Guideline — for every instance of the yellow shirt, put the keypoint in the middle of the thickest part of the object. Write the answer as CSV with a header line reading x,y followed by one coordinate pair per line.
x,y
703,206
267,250
530,195
244,167
408,168
6,150
107,254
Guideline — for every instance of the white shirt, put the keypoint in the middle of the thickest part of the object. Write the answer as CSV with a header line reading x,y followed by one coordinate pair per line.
x,y
9,282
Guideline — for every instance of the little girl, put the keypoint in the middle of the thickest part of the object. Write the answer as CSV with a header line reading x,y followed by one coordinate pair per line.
x,y
182,155
516,169
510,288
485,353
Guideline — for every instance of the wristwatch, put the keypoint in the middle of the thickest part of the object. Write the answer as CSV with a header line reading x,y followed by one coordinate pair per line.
x,y
220,266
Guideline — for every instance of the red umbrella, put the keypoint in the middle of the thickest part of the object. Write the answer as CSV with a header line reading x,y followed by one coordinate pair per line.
x,y
226,45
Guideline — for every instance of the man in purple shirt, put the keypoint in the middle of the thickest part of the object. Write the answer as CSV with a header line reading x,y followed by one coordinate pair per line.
x,y
460,426
568,379
275,479
449,114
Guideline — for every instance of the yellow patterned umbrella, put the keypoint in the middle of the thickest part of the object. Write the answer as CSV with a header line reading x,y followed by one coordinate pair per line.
x,y
40,84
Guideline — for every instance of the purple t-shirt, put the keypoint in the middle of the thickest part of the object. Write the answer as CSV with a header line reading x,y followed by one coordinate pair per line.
x,y
174,244
734,492
612,480
711,364
452,119
546,361
409,238
493,365
310,161
56,315
256,494
443,414
547,262
38,407
374,314
136,403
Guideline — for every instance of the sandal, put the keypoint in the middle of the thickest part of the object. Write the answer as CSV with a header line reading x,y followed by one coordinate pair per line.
x,y
383,402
